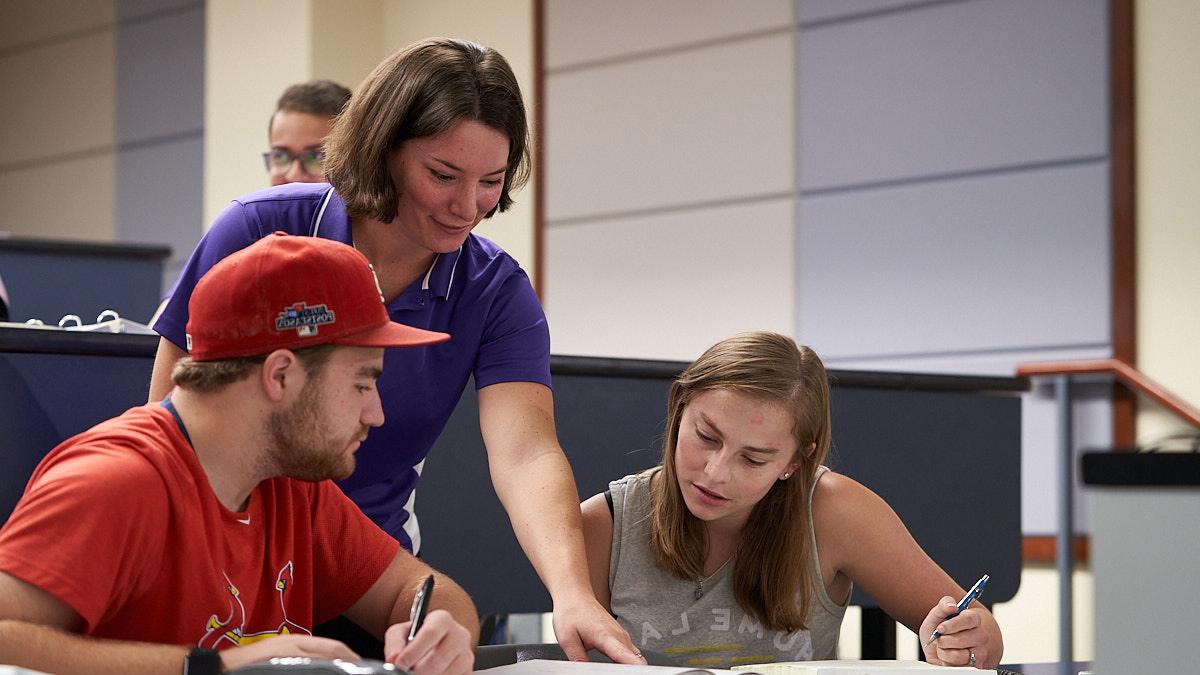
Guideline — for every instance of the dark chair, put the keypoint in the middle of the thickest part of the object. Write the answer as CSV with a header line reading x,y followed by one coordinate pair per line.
x,y
491,656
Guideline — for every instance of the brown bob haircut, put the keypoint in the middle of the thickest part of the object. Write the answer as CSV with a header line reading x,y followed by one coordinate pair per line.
x,y
772,579
423,90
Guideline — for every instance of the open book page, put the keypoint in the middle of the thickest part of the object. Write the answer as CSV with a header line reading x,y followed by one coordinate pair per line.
x,y
538,667
855,668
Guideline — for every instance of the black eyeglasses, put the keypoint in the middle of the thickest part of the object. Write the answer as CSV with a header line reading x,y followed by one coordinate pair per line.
x,y
278,161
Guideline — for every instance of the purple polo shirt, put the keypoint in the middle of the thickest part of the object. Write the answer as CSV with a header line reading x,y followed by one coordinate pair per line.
x,y
478,294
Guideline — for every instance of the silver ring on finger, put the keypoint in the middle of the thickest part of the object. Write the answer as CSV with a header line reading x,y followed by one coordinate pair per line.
x,y
971,661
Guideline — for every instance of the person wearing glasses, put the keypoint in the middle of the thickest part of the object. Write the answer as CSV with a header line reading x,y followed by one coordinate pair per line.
x,y
433,141
302,119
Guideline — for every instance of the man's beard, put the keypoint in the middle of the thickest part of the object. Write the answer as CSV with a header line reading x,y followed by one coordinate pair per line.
x,y
302,445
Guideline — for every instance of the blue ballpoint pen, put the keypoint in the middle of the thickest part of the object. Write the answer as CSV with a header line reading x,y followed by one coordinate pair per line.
x,y
962,604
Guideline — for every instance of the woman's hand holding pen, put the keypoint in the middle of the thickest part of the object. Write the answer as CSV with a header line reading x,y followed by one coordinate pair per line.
x,y
962,641
442,646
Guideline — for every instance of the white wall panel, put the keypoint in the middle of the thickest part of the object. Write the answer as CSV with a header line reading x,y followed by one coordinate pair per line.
x,y
950,88
582,31
59,98
1168,222
687,128
1000,262
669,286
71,199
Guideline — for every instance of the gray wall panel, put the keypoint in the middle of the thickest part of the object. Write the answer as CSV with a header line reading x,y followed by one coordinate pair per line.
x,y
950,88
159,198
134,9
160,76
828,10
160,126
999,262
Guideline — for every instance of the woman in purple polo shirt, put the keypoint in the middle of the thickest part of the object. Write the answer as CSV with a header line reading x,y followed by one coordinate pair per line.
x,y
433,141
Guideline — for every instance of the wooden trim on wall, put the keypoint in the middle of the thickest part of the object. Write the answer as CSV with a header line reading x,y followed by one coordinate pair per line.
x,y
1043,549
1123,201
539,143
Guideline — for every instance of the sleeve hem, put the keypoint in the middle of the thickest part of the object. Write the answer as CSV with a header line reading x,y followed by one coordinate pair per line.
x,y
48,581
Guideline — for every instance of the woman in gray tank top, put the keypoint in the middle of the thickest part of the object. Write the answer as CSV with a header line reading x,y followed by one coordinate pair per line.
x,y
741,547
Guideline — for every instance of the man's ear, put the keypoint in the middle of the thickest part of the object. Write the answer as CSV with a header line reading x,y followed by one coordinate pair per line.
x,y
282,375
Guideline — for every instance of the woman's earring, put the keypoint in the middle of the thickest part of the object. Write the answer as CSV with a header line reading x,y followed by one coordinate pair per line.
x,y
785,476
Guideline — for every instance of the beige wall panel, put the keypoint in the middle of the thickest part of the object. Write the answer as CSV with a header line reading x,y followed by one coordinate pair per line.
x,y
1030,619
668,286
253,50
583,31
347,40
506,27
30,21
59,99
73,199
688,128
1168,218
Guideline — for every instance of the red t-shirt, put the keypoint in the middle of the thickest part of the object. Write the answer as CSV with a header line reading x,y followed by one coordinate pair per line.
x,y
121,524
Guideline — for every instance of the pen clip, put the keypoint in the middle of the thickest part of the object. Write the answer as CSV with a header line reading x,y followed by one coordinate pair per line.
x,y
420,605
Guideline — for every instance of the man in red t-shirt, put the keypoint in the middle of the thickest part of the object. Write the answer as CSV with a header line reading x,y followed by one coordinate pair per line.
x,y
209,521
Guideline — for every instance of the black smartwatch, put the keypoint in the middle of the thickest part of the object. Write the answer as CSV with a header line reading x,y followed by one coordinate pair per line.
x,y
202,661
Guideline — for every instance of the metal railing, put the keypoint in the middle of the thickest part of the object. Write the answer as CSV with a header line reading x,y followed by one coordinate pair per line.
x,y
1062,372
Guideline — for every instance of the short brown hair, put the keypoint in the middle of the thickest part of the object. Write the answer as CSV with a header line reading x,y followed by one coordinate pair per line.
x,y
775,557
324,98
210,377
421,91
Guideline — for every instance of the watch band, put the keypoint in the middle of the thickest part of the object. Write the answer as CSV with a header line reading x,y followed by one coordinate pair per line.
x,y
202,661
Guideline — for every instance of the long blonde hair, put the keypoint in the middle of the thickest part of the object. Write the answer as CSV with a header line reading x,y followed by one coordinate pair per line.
x,y
771,578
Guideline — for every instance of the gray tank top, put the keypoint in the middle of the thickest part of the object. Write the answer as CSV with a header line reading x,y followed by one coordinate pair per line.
x,y
662,613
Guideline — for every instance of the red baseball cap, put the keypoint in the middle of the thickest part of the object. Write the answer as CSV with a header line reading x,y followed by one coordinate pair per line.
x,y
285,292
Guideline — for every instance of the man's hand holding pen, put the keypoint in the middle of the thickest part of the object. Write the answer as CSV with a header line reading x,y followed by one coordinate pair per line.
x,y
430,643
